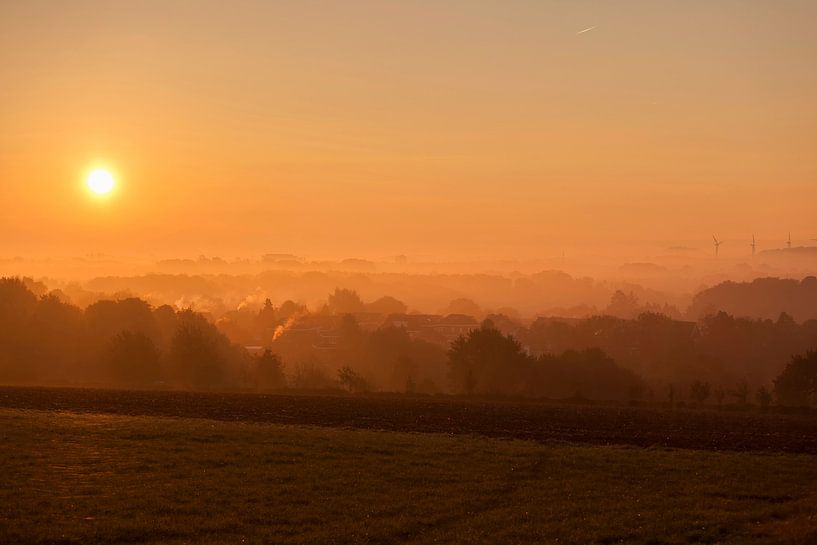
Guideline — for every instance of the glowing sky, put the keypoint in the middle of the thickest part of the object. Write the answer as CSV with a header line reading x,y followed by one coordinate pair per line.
x,y
505,128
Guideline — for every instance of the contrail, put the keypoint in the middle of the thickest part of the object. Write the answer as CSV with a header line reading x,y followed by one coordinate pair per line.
x,y
588,29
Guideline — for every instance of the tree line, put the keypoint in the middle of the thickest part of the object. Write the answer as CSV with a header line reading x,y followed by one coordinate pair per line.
x,y
720,349
127,342
124,342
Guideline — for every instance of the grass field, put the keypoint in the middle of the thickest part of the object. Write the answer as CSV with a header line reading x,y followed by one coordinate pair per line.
x,y
86,478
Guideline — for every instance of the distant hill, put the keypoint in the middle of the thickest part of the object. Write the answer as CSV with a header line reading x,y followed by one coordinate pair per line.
x,y
797,251
642,269
764,298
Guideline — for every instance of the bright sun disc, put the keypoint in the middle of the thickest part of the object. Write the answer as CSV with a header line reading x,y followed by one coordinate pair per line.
x,y
100,181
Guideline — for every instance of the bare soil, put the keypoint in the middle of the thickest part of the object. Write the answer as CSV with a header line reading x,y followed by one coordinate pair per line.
x,y
704,429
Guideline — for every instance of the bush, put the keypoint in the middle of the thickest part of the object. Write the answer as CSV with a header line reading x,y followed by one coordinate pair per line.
x,y
310,376
351,381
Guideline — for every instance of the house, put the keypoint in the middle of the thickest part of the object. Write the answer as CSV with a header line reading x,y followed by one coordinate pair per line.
x,y
433,328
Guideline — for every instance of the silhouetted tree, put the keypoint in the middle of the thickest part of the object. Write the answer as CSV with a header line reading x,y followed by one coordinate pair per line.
x,y
387,357
195,353
797,384
104,319
486,361
16,299
17,305
288,309
652,344
266,321
132,359
623,305
387,305
344,301
588,373
46,339
269,371
463,306
55,328
166,323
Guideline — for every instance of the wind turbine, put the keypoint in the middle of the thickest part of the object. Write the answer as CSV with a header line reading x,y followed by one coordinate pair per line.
x,y
717,244
753,245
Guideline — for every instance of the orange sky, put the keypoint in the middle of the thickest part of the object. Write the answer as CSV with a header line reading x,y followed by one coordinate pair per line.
x,y
370,128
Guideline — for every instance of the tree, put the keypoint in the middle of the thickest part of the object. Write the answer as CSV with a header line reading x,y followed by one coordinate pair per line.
x,y
38,336
797,384
463,306
125,341
352,381
54,327
195,353
17,305
623,305
102,322
390,356
269,371
288,309
266,320
104,319
16,298
132,359
387,305
486,361
344,301
166,323
590,373
699,391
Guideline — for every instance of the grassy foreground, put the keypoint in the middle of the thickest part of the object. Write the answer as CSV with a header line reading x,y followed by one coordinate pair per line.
x,y
67,478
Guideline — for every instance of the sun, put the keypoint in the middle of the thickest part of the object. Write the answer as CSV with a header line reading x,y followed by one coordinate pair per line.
x,y
100,181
